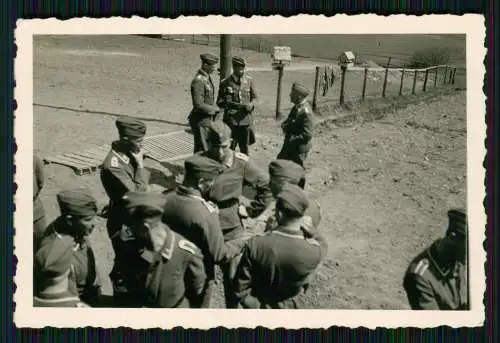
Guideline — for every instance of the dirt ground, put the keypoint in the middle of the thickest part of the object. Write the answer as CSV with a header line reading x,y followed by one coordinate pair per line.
x,y
384,185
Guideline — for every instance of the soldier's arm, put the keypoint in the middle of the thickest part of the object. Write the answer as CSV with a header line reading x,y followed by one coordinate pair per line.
x,y
419,292
198,95
195,277
259,180
39,174
141,179
119,181
243,281
221,95
217,248
253,92
305,132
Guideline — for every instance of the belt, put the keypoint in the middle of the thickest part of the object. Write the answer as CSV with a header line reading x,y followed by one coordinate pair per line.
x,y
227,203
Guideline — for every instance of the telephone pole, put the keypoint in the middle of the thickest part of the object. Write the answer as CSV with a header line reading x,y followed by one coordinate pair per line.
x,y
225,56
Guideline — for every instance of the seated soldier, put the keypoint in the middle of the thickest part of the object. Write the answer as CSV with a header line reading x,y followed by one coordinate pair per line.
x,y
276,269
52,269
77,221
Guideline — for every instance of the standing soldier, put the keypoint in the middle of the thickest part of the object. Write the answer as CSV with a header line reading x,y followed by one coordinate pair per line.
x,y
203,96
123,171
298,127
77,221
238,171
52,268
281,173
189,214
39,223
237,95
276,269
437,278
169,268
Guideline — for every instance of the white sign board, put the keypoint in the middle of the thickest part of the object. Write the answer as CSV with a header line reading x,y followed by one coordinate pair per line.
x,y
282,53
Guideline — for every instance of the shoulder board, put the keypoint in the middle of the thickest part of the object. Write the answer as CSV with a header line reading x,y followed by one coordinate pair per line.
x,y
241,156
420,267
200,77
81,304
210,206
189,246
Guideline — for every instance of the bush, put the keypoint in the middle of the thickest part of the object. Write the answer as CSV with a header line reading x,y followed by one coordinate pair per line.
x,y
430,57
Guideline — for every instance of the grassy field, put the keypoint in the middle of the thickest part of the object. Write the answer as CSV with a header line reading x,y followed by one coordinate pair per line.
x,y
384,185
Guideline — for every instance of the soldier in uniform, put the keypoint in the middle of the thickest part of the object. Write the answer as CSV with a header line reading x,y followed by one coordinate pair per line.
x,y
237,95
437,278
281,173
188,213
52,267
238,170
123,171
203,96
169,268
277,268
39,223
77,222
298,127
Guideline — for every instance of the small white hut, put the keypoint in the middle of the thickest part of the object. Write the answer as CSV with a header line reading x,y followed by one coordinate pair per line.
x,y
347,59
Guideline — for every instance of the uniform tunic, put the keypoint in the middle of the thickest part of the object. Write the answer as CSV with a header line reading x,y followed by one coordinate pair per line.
x,y
119,175
84,280
38,210
203,98
65,299
238,171
176,276
277,268
298,129
430,285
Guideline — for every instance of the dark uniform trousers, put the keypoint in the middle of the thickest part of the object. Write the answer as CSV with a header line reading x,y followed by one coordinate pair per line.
x,y
176,276
65,299
188,214
298,129
119,175
84,282
203,112
234,94
276,269
429,285
225,193
39,222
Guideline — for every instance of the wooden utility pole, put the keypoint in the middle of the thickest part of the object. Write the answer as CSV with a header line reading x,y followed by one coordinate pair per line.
x,y
278,96
225,56
342,83
402,80
316,86
364,84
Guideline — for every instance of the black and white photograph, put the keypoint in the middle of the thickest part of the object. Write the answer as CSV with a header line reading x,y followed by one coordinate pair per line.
x,y
186,178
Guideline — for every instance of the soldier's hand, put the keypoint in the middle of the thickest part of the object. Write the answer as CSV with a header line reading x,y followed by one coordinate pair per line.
x,y
139,158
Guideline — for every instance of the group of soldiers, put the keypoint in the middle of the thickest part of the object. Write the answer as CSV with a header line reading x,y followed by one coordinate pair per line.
x,y
167,244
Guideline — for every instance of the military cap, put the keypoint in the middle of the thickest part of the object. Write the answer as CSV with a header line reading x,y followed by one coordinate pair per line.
x,y
286,169
145,202
293,199
218,133
457,221
239,61
77,202
300,89
201,167
130,128
53,259
209,58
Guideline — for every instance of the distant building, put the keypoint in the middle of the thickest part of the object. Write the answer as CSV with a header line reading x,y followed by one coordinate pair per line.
x,y
347,58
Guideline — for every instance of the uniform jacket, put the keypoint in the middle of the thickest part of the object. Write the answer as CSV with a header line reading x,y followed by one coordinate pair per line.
x,y
120,175
176,276
431,286
38,181
239,170
276,268
188,214
65,299
298,128
203,97
234,93
84,280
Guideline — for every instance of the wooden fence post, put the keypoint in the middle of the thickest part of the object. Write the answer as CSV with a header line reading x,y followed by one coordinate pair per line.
x,y
414,82
278,98
193,40
450,76
364,84
453,76
316,86
435,77
445,74
384,87
402,79
342,83
425,79
388,62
